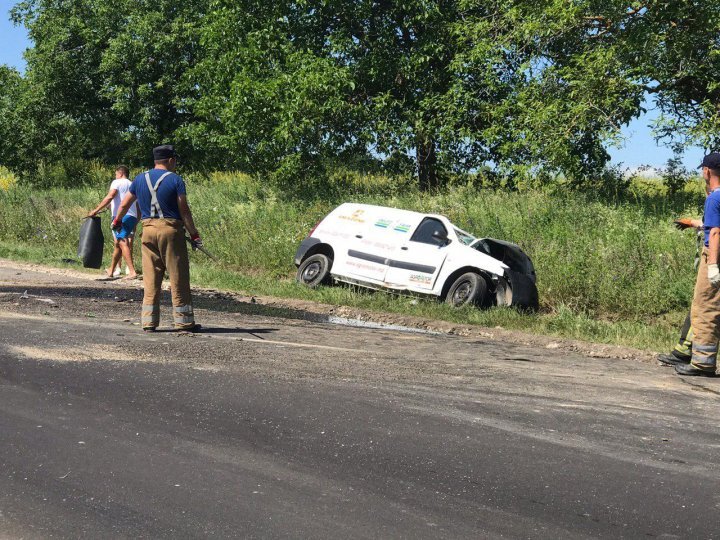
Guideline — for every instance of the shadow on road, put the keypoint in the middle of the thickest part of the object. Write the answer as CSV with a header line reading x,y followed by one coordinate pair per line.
x,y
224,330
253,331
109,294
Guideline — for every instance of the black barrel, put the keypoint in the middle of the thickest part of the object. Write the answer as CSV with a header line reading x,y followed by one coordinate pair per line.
x,y
90,247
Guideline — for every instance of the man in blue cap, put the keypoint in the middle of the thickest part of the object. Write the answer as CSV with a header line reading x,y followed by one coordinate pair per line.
x,y
165,217
705,310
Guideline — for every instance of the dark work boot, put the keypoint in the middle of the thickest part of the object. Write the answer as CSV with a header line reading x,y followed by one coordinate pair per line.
x,y
189,329
672,359
689,369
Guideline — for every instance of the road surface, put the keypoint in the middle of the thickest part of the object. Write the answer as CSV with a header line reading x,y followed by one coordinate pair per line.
x,y
272,427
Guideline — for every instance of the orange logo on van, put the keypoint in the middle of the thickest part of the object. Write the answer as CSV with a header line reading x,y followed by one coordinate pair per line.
x,y
356,216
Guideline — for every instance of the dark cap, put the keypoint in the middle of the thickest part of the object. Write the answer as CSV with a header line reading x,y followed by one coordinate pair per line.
x,y
712,161
164,151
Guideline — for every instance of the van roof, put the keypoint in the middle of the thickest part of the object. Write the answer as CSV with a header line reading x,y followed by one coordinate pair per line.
x,y
378,211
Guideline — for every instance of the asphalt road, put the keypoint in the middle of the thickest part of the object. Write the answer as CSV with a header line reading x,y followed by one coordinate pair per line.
x,y
272,427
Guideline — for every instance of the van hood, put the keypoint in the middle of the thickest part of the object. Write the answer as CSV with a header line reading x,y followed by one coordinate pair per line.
x,y
485,262
510,255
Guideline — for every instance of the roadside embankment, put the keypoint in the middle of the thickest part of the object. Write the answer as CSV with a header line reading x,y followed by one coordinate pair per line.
x,y
614,272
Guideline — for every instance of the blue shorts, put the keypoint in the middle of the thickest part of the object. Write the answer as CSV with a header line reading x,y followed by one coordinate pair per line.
x,y
128,228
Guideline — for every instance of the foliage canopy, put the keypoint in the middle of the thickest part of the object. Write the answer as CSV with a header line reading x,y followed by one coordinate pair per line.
x,y
436,87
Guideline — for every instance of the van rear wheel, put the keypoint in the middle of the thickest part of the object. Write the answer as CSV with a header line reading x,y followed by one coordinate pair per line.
x,y
314,271
468,289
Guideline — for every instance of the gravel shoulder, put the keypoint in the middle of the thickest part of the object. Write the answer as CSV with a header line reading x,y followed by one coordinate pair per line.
x,y
326,313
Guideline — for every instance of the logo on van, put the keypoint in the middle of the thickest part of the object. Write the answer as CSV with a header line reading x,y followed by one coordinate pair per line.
x,y
420,278
402,227
356,216
383,223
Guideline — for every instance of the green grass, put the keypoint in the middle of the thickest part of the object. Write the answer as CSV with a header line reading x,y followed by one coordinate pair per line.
x,y
563,322
609,271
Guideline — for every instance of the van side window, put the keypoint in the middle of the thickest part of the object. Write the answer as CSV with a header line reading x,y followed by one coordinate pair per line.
x,y
426,229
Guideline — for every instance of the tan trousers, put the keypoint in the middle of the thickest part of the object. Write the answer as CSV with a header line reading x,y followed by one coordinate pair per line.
x,y
164,248
705,314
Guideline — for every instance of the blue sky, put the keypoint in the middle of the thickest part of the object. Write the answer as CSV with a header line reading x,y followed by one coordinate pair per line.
x,y
639,147
13,40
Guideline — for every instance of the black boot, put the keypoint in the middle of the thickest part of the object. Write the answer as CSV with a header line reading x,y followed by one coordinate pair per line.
x,y
673,359
689,369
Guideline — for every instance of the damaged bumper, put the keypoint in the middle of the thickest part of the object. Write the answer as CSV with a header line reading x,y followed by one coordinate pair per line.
x,y
518,290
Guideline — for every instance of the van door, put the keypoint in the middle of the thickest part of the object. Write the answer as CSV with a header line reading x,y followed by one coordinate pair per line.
x,y
418,260
370,250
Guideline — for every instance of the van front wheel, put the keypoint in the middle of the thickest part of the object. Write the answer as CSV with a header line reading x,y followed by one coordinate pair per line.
x,y
314,270
468,289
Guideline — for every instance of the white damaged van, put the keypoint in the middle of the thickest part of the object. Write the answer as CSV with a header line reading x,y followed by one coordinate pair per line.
x,y
405,251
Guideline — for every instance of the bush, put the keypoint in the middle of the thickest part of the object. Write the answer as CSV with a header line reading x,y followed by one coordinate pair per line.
x,y
675,175
7,179
70,173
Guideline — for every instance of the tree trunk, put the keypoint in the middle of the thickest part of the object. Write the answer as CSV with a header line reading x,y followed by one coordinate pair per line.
x,y
427,164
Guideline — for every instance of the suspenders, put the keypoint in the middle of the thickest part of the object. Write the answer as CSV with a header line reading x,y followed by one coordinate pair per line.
x,y
155,210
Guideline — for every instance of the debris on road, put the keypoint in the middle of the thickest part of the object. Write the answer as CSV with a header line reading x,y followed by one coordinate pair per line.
x,y
26,296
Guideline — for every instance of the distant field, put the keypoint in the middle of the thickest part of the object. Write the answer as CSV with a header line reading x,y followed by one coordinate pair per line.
x,y
608,270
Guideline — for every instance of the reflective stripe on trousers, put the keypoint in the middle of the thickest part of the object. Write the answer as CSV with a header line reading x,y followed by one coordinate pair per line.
x,y
704,356
150,315
184,315
684,344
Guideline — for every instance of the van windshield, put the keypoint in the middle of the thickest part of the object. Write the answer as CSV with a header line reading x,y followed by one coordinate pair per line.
x,y
464,237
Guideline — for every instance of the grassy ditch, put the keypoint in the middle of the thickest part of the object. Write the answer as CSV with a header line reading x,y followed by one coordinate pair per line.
x,y
609,271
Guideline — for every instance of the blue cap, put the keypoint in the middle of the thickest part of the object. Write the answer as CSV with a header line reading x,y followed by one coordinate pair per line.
x,y
711,161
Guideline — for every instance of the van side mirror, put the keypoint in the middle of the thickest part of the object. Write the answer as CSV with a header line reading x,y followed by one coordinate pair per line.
x,y
442,237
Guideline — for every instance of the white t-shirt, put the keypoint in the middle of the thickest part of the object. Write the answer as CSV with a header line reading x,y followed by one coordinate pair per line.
x,y
123,186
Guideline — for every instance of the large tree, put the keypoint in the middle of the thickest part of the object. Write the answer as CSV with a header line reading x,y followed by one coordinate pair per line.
x,y
516,85
575,92
103,76
11,143
314,78
673,49
455,83
67,114
264,97
601,58
143,66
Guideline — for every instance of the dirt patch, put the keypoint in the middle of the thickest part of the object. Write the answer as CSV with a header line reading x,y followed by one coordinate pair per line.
x,y
92,353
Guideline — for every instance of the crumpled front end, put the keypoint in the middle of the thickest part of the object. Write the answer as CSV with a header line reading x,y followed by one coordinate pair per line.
x,y
517,287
